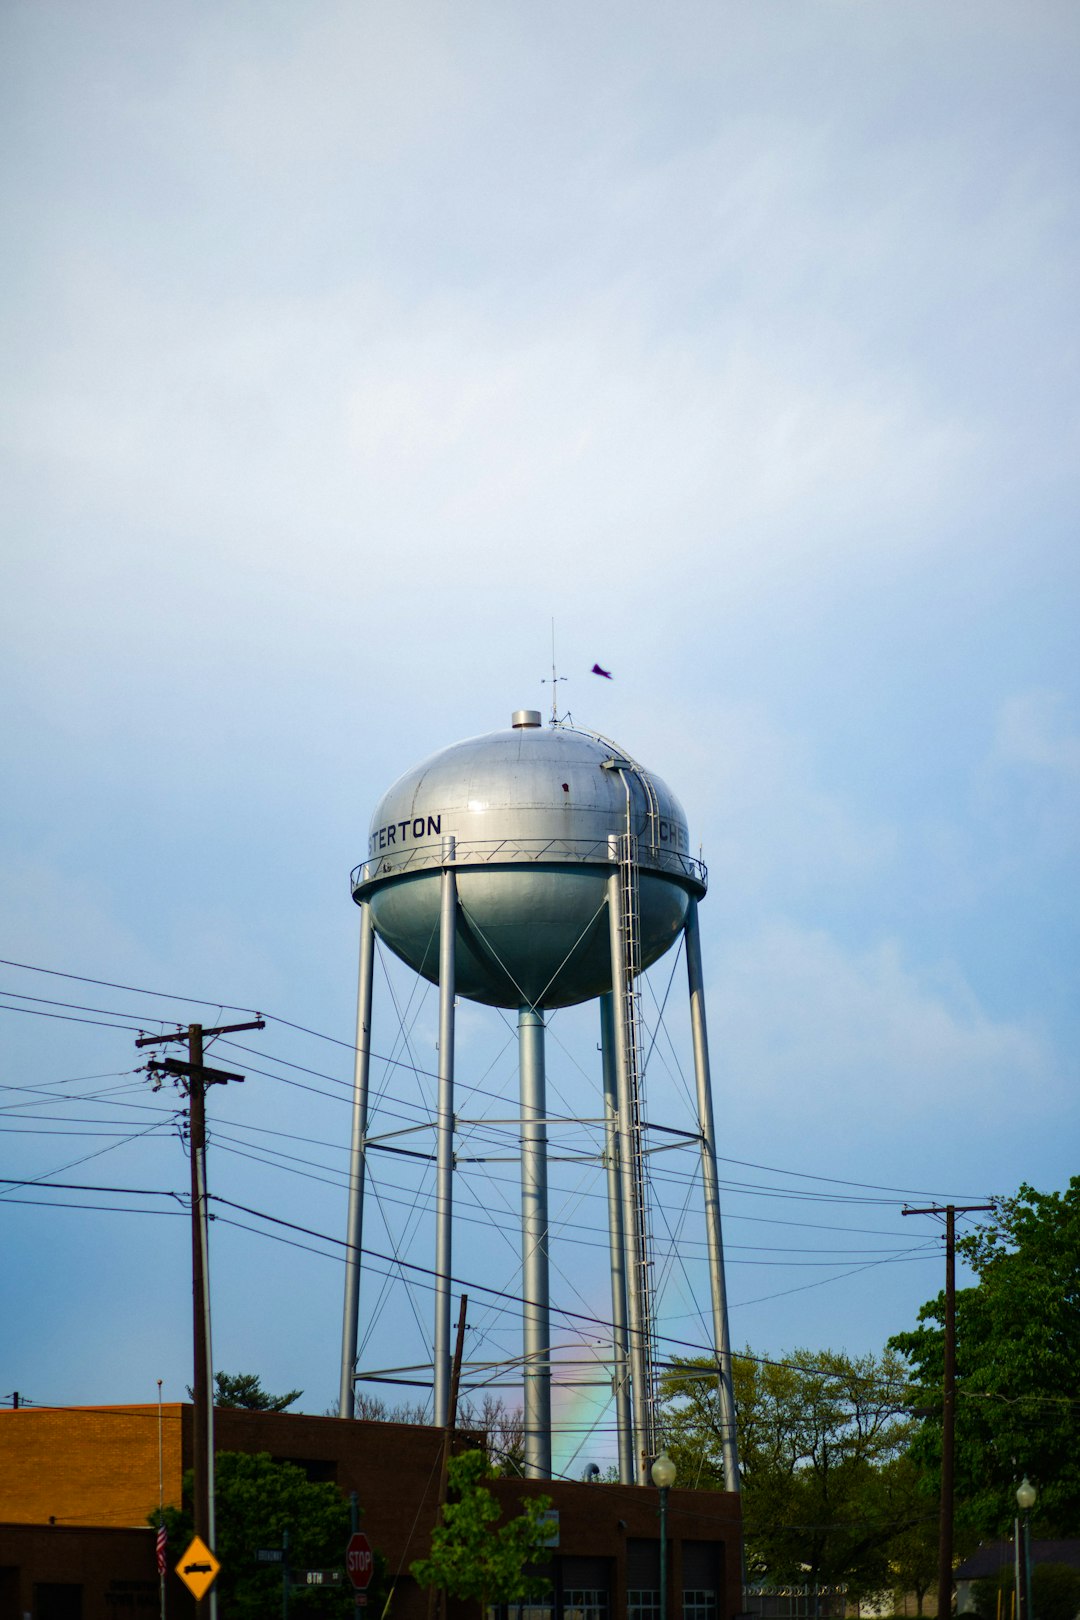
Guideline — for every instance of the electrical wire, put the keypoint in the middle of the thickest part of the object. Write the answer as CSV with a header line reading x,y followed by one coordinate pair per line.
x,y
77,1006
488,1136
909,1192
59,1170
135,990
473,1286
375,1258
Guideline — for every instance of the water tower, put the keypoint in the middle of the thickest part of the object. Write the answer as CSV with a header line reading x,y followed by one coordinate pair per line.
x,y
530,869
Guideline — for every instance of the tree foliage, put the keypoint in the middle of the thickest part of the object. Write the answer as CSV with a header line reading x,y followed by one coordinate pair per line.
x,y
1017,1351
373,1409
913,1551
245,1390
502,1426
827,1488
471,1559
257,1500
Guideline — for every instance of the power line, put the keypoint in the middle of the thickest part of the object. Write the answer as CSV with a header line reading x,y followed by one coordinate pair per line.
x,y
807,1175
68,1018
110,984
70,1080
480,1287
417,1070
812,1188
105,1209
306,1168
32,1181
398,1264
83,1186
78,1006
390,1062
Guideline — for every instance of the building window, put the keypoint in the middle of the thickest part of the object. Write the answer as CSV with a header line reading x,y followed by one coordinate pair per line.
x,y
643,1604
58,1600
584,1603
698,1604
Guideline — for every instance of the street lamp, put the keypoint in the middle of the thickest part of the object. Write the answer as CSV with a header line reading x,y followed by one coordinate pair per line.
x,y
663,1476
1025,1500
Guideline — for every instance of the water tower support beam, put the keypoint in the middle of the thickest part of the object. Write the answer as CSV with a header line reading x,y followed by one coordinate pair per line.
x,y
354,1231
713,1233
617,1245
444,1137
536,1326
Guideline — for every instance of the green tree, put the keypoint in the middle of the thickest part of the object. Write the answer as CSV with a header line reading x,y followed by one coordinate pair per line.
x,y
822,1440
256,1501
245,1390
1017,1351
913,1550
471,1559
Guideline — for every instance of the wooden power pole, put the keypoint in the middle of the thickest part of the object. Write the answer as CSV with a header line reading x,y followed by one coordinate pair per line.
x,y
436,1601
193,1077
948,1401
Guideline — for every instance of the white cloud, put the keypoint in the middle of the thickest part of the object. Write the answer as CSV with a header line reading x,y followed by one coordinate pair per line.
x,y
771,831
1036,730
326,435
361,86
1031,783
807,1027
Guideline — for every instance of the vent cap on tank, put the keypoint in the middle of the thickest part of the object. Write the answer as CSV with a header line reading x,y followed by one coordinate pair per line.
x,y
522,719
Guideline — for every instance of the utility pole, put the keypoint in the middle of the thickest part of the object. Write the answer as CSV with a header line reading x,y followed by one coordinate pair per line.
x,y
948,1401
436,1600
193,1077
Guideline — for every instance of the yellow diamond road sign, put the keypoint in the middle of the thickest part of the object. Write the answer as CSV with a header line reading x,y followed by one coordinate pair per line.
x,y
197,1568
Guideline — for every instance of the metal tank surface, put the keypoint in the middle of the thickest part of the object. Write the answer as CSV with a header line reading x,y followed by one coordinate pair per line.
x,y
527,817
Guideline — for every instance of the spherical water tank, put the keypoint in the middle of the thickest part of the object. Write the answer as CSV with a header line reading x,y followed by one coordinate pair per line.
x,y
529,819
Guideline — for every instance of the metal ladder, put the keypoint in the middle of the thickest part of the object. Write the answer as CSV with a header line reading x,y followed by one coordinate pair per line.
x,y
629,1011
652,808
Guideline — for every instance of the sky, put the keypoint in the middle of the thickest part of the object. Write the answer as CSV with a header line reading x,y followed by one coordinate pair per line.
x,y
351,347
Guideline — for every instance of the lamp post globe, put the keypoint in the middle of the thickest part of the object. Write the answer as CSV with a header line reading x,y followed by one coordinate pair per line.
x,y
1026,1495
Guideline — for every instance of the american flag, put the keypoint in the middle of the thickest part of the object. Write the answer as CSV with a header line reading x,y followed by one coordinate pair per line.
x,y
161,1540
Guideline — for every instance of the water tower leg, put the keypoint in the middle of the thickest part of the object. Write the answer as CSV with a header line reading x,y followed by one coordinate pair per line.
x,y
354,1230
444,1142
534,1245
628,1146
619,1349
713,1234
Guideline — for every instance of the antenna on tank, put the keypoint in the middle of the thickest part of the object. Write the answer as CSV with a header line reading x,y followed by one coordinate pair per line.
x,y
555,679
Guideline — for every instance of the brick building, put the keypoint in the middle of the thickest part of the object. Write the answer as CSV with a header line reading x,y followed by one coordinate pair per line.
x,y
77,1484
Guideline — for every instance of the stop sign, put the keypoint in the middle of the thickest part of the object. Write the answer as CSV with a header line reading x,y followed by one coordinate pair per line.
x,y
358,1560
